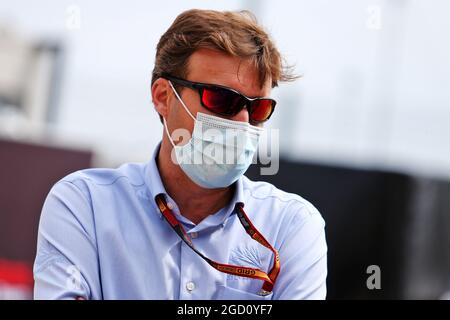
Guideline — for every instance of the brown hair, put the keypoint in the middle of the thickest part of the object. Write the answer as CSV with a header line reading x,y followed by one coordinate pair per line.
x,y
235,33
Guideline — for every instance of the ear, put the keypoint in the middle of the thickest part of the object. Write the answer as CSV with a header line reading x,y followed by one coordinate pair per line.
x,y
161,92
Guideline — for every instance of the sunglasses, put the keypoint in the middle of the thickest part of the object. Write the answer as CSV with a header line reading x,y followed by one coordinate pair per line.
x,y
228,102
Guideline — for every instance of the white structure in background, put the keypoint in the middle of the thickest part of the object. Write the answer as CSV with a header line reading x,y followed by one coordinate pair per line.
x,y
27,84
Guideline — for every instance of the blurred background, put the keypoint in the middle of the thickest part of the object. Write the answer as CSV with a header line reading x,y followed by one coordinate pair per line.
x,y
364,134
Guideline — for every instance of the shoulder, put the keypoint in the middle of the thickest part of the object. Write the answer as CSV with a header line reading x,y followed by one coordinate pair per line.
x,y
291,209
78,192
83,186
129,174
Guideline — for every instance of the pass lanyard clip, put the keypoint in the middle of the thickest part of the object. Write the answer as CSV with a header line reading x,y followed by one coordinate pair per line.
x,y
248,272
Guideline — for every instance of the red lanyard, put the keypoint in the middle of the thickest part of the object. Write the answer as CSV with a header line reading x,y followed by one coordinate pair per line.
x,y
269,279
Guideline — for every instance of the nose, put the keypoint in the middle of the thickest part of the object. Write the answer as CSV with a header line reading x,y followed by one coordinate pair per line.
x,y
243,115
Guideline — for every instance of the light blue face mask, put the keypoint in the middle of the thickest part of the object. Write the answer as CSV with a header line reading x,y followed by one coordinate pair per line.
x,y
219,151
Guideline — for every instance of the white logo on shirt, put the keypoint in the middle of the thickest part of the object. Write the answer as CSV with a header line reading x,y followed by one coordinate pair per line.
x,y
245,255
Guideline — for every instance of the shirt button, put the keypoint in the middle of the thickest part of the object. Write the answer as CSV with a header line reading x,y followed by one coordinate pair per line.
x,y
194,235
190,286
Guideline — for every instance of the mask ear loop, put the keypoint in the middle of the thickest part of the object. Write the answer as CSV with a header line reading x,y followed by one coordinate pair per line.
x,y
181,101
167,131
185,108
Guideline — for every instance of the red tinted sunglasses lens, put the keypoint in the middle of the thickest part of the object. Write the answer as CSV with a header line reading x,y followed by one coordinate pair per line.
x,y
221,100
261,110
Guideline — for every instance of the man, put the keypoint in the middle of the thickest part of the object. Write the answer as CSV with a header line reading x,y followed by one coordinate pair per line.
x,y
188,225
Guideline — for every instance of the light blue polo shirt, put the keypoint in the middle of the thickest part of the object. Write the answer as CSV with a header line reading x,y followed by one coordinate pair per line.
x,y
101,236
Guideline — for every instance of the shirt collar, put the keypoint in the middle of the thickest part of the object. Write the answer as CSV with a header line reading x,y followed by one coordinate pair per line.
x,y
153,179
155,186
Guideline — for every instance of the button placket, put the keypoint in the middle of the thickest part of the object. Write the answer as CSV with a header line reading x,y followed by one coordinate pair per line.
x,y
190,286
194,235
187,285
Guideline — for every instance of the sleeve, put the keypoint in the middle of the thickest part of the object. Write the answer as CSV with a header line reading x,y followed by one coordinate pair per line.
x,y
66,264
303,257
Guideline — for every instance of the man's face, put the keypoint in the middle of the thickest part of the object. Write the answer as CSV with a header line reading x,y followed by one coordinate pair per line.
x,y
214,67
